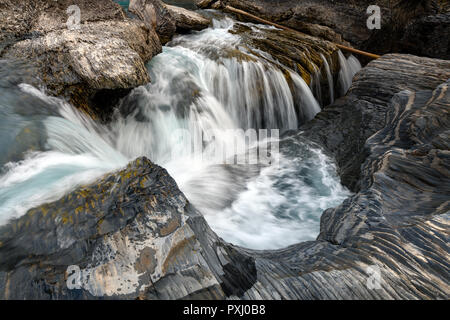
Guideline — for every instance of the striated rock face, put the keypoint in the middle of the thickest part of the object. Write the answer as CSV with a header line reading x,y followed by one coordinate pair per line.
x,y
133,234
167,19
343,127
102,59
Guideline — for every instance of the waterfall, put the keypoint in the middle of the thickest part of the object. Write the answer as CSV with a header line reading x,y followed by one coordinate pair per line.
x,y
316,85
329,77
349,67
204,84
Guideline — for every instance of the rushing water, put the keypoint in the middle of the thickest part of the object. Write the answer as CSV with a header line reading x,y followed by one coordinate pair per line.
x,y
197,86
349,67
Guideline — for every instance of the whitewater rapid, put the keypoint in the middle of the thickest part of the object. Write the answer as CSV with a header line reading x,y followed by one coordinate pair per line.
x,y
197,87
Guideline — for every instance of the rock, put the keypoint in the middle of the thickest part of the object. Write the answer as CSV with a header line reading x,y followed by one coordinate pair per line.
x,y
155,15
341,21
106,54
337,19
343,127
187,4
167,19
187,20
209,4
299,52
429,36
203,4
134,235
130,234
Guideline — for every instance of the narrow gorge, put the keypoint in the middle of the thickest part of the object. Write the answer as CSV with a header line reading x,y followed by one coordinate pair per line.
x,y
99,173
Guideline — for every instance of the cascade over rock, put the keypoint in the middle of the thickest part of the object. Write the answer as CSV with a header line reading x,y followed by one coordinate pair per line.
x,y
133,234
343,22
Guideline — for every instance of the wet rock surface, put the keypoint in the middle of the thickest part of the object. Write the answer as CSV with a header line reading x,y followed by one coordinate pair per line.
x,y
343,21
134,235
297,51
301,53
106,53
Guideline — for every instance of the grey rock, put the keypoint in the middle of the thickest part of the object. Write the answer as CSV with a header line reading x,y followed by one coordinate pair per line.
x,y
429,36
155,15
105,54
167,19
343,127
134,235
186,20
342,21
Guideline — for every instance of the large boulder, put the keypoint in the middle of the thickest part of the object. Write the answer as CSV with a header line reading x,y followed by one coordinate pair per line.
x,y
134,235
91,65
155,15
186,20
167,19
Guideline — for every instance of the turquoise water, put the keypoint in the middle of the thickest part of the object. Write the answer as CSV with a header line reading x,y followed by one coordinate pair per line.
x,y
188,4
124,4
47,147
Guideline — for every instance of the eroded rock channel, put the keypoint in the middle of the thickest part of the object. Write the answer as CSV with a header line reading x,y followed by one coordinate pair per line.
x,y
93,179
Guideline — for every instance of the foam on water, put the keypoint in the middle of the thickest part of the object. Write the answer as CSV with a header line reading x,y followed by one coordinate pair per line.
x,y
199,87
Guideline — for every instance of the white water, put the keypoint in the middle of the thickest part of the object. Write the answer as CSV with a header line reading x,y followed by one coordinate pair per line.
x,y
316,85
349,67
329,77
198,86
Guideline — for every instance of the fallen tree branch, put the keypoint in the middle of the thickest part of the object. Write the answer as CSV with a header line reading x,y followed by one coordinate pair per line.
x,y
340,46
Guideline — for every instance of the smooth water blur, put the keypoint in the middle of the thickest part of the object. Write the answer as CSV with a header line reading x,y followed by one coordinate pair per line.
x,y
203,82
55,149
349,67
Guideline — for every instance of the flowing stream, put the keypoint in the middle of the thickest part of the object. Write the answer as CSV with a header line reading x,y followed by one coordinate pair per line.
x,y
198,89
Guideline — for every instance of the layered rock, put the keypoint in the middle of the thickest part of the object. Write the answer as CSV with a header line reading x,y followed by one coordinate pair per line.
x,y
93,63
167,19
133,234
343,127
